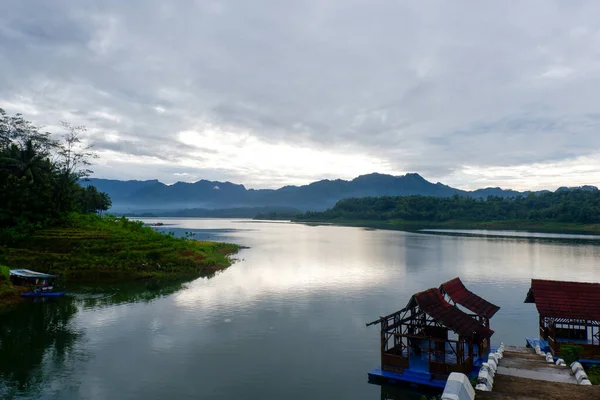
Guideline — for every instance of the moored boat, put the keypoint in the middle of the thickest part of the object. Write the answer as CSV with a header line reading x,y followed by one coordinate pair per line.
x,y
42,285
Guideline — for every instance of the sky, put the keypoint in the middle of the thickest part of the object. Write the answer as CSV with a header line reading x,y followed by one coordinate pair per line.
x,y
270,92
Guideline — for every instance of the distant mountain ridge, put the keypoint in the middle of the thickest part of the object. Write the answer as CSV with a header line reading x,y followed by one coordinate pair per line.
x,y
319,195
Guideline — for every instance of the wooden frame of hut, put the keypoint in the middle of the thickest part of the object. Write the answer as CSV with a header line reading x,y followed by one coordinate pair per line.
x,y
569,313
430,333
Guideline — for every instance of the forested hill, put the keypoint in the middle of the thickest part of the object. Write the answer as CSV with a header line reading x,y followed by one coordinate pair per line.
x,y
580,205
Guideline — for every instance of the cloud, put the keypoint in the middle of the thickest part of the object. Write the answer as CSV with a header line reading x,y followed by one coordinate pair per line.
x,y
288,92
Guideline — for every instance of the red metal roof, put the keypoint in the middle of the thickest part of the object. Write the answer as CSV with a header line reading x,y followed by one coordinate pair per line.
x,y
559,299
463,296
433,303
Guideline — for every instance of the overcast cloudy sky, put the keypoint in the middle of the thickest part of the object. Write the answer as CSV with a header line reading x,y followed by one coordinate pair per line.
x,y
268,93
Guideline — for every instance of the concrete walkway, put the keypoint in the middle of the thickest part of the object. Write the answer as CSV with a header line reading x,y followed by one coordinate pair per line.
x,y
527,364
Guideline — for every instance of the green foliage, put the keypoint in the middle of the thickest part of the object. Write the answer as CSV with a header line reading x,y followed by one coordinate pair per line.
x,y
89,246
565,206
39,178
570,353
593,374
4,273
7,290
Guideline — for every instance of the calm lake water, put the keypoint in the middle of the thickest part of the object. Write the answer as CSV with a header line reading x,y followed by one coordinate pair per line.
x,y
286,321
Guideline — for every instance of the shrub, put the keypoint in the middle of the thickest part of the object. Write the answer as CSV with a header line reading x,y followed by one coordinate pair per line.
x,y
593,374
570,353
4,273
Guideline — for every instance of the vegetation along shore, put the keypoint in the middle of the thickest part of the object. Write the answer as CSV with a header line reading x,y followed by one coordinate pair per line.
x,y
574,210
50,223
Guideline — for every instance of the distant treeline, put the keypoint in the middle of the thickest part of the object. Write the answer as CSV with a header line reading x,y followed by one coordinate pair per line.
x,y
240,212
565,205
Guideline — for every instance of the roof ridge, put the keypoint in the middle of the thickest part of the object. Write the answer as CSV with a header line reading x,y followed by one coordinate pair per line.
x,y
460,294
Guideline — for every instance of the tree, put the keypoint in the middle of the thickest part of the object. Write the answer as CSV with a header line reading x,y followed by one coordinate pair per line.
x,y
73,161
93,201
39,176
74,157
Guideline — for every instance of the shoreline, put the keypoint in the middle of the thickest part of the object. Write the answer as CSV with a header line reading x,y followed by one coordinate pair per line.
x,y
412,226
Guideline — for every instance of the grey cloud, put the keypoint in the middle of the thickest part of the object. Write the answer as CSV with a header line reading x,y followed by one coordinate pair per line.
x,y
427,86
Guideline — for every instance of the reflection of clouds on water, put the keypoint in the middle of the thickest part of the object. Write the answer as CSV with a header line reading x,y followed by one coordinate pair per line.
x,y
296,266
162,342
105,317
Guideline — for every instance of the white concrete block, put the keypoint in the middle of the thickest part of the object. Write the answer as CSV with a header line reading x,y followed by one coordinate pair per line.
x,y
575,367
539,351
482,387
486,367
493,365
585,382
485,378
580,375
458,387
487,374
450,397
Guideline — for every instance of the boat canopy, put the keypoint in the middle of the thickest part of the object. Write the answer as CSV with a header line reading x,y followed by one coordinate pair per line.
x,y
25,273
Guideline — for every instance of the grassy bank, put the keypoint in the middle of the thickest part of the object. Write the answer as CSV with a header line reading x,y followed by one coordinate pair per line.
x,y
89,247
516,225
8,293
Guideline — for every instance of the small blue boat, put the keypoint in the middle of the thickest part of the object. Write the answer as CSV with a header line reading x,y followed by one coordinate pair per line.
x,y
43,294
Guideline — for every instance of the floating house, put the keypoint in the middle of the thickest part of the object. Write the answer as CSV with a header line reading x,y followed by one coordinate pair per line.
x,y
430,338
569,313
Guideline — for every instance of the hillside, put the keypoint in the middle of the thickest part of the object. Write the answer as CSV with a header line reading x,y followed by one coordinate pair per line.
x,y
152,195
91,247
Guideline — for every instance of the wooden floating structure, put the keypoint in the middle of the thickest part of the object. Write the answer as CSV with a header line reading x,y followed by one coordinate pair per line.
x,y
432,336
569,314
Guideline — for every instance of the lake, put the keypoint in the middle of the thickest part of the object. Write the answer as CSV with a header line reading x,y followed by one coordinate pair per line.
x,y
286,321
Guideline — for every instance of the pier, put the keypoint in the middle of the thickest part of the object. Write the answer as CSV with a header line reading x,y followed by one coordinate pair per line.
x,y
523,374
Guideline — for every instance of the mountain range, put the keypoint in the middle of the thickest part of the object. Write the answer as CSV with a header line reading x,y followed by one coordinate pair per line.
x,y
152,195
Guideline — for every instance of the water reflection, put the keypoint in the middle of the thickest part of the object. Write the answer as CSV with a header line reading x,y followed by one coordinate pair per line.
x,y
41,343
504,233
33,334
110,294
